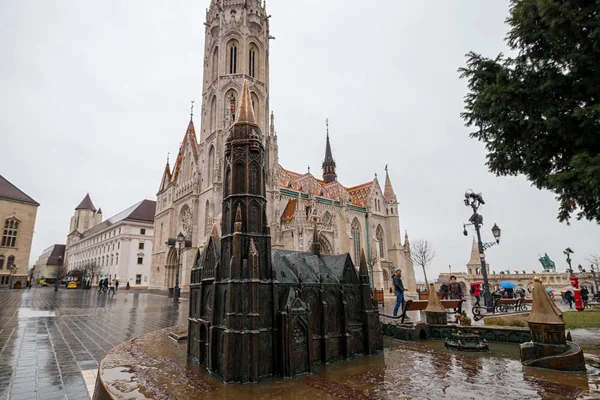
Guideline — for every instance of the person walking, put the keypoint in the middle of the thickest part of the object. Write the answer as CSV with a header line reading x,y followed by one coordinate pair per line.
x,y
100,285
569,298
116,285
398,290
455,289
477,294
444,291
111,287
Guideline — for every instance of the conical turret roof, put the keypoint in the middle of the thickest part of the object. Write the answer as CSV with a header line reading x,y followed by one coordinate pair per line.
x,y
245,116
434,304
474,260
543,309
86,204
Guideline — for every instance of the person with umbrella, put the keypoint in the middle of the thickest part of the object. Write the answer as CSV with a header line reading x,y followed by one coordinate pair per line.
x,y
508,289
476,292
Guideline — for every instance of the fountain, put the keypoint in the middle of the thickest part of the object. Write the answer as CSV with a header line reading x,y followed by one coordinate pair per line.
x,y
466,341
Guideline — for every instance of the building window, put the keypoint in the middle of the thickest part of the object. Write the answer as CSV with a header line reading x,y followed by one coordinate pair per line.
x,y
138,279
1,262
9,235
118,245
141,246
140,260
356,240
142,231
10,262
252,62
119,231
233,58
379,235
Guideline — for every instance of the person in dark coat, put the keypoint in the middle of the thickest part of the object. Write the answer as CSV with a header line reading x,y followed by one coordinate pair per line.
x,y
444,291
455,289
398,290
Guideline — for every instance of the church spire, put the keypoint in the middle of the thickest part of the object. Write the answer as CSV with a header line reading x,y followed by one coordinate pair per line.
x,y
246,113
388,192
329,174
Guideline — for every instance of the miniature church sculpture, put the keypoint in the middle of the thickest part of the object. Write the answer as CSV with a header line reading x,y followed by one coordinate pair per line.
x,y
257,312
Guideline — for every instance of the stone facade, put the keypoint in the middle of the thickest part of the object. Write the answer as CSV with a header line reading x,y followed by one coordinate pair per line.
x,y
350,219
47,263
17,216
121,245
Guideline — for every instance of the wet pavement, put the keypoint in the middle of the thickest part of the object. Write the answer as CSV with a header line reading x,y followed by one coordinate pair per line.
x,y
50,343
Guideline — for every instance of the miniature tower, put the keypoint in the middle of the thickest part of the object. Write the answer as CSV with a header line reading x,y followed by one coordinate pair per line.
x,y
246,282
329,174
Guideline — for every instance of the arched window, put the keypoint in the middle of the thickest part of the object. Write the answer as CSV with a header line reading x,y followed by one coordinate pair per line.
x,y
232,57
215,64
356,240
252,60
255,106
10,262
207,218
9,235
211,165
379,236
213,115
1,262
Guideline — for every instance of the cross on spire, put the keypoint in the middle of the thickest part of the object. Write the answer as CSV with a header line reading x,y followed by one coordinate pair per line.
x,y
192,111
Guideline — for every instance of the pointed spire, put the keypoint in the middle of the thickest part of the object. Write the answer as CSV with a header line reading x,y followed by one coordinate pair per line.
x,y
272,127
388,192
99,211
86,204
253,251
543,309
316,245
363,271
245,116
406,242
238,219
434,304
329,174
475,259
192,111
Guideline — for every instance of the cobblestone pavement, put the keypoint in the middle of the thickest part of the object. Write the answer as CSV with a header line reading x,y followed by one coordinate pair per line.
x,y
51,342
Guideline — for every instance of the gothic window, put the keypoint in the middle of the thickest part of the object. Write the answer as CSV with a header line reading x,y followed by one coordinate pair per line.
x,y
356,240
254,179
215,64
232,105
9,235
239,185
10,262
227,182
1,262
213,114
207,218
252,60
255,105
233,49
211,165
254,216
379,236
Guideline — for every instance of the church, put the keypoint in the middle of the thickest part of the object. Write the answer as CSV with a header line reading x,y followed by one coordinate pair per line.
x,y
350,219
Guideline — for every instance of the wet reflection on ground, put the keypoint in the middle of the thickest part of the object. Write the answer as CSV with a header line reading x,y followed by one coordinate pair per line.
x,y
403,371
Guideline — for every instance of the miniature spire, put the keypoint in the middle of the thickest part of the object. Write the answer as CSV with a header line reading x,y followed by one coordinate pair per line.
x,y
252,251
246,112
434,304
406,242
329,174
272,127
363,271
99,210
316,245
543,311
388,192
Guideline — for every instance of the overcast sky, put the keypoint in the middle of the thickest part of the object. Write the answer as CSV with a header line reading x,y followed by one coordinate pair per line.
x,y
94,94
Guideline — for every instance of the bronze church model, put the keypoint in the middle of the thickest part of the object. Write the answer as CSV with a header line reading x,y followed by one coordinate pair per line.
x,y
257,312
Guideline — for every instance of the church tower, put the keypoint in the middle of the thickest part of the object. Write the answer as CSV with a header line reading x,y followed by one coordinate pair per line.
x,y
246,279
329,174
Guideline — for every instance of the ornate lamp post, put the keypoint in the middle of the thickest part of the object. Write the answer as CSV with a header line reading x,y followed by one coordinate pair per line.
x,y
179,242
475,200
59,263
574,280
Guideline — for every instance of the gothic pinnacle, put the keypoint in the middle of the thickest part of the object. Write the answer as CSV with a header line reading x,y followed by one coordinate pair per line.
x,y
245,116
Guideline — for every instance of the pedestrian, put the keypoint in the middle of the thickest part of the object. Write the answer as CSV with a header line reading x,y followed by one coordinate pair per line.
x,y
569,298
116,285
584,296
444,291
111,287
398,290
455,289
100,285
476,292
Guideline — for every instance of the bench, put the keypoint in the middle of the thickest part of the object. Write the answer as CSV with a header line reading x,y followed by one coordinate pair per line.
x,y
503,306
420,305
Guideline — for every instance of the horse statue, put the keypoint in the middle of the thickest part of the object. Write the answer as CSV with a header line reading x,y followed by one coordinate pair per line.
x,y
547,263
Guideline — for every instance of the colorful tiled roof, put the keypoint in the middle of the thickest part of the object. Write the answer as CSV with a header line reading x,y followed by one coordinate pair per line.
x,y
290,211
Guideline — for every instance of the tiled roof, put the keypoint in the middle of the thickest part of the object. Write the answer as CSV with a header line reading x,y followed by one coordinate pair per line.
x,y
307,183
143,212
57,250
188,139
290,211
11,192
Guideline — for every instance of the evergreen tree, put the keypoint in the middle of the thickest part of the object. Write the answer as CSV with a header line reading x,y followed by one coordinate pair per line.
x,y
538,112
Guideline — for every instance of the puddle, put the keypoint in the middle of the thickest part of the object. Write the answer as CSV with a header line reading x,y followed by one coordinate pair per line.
x,y
29,313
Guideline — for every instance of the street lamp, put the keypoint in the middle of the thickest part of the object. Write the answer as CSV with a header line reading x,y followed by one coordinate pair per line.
x,y
59,263
475,200
179,242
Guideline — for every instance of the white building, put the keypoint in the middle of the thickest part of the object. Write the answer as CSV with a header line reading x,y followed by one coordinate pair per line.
x,y
121,246
47,264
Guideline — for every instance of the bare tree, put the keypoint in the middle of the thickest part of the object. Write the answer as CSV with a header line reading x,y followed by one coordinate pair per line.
x,y
594,259
92,269
422,253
